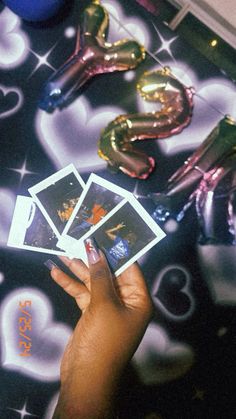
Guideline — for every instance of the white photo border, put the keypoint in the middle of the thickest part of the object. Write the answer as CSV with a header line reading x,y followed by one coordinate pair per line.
x,y
55,177
156,229
20,223
97,180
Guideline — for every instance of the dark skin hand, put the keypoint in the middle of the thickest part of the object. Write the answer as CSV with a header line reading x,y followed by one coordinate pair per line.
x,y
115,315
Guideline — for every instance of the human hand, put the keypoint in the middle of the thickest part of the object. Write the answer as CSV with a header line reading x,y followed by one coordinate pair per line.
x,y
115,314
121,225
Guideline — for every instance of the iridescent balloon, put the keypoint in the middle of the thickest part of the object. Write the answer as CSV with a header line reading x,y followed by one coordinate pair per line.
x,y
181,188
214,206
93,55
176,100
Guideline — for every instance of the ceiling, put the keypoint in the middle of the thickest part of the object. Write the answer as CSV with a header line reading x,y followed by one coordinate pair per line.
x,y
218,15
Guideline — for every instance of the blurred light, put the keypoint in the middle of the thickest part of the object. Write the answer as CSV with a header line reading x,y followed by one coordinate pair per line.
x,y
213,42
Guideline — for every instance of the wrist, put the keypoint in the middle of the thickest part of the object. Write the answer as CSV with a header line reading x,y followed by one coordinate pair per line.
x,y
75,408
88,394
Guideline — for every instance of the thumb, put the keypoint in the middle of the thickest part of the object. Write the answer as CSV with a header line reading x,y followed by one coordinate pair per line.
x,y
101,281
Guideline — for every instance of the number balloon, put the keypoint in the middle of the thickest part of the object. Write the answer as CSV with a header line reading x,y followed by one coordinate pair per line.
x,y
93,55
176,100
213,201
182,187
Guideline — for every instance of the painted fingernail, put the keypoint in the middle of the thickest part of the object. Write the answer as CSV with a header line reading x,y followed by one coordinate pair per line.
x,y
92,251
50,264
66,260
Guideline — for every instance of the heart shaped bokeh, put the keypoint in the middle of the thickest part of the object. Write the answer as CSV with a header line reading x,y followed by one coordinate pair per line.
x,y
71,136
51,407
7,204
48,338
158,359
14,43
122,26
11,100
172,292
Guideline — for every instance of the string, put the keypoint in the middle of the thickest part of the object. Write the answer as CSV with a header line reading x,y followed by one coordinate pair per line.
x,y
132,36
209,104
150,53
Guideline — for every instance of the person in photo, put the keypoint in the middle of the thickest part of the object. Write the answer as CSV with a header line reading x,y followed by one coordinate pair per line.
x,y
67,209
122,245
87,218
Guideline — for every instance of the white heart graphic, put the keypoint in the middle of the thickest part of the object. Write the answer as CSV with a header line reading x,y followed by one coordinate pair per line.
x,y
51,407
6,91
159,360
7,205
71,135
186,289
2,277
48,338
122,27
14,43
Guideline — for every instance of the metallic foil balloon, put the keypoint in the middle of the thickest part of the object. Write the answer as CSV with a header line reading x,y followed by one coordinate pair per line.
x,y
180,191
176,100
214,204
216,247
93,55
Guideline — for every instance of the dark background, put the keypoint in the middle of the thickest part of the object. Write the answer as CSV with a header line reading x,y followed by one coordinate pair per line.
x,y
187,366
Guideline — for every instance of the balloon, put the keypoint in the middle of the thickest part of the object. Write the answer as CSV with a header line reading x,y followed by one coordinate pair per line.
x,y
115,144
211,205
180,191
35,11
93,55
218,269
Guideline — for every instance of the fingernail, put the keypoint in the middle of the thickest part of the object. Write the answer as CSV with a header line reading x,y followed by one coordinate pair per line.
x,y
65,259
50,264
92,251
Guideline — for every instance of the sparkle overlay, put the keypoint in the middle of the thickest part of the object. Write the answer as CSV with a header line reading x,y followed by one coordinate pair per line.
x,y
23,411
23,171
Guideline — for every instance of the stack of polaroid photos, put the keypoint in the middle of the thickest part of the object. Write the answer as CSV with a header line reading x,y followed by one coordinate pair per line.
x,y
62,212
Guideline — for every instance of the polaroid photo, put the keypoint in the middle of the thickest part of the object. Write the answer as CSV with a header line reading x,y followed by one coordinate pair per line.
x,y
98,199
124,236
57,196
30,229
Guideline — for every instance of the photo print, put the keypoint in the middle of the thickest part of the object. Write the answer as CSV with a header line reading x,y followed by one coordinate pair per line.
x,y
30,229
124,236
57,196
98,199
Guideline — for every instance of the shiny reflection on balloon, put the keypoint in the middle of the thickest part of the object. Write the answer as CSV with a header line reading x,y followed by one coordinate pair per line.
x,y
214,208
92,56
176,101
181,188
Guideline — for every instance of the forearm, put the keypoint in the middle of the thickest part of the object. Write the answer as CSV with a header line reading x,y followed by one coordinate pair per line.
x,y
87,397
118,227
111,235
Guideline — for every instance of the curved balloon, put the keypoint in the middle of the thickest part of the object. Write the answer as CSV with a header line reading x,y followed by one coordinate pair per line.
x,y
176,100
93,55
211,205
180,191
